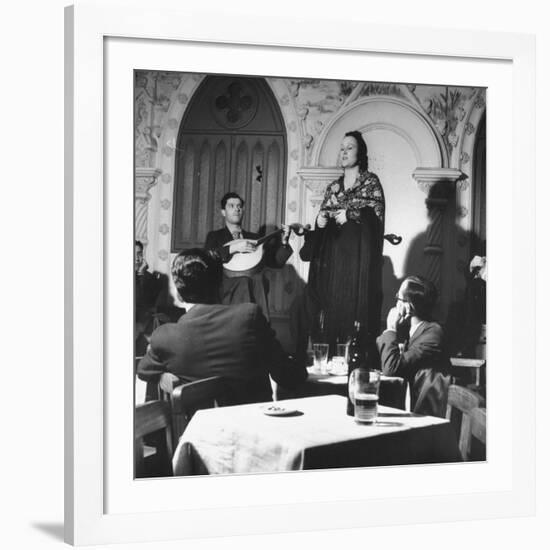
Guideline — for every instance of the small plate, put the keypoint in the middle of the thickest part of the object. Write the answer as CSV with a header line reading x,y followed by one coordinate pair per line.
x,y
275,410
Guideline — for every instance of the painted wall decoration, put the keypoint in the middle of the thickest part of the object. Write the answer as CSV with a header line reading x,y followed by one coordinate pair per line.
x,y
410,129
154,91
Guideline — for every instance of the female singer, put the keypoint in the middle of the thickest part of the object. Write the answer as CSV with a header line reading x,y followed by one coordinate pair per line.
x,y
345,249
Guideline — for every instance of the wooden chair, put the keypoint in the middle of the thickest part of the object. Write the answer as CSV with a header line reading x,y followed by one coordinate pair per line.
x,y
184,399
188,398
153,419
459,404
478,430
462,366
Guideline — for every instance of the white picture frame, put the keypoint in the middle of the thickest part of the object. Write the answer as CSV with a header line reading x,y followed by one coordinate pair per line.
x,y
103,503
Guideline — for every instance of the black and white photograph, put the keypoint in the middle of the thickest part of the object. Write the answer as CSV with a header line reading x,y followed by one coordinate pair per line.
x,y
310,274
246,275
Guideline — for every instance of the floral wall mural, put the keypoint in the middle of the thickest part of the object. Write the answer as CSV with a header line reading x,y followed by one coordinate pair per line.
x,y
311,110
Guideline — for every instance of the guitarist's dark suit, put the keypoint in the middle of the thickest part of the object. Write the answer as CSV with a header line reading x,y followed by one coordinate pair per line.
x,y
237,290
275,253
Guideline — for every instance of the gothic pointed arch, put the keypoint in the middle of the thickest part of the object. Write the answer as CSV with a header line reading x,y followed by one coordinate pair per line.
x,y
231,138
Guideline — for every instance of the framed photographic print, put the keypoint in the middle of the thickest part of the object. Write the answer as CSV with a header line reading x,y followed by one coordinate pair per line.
x,y
185,127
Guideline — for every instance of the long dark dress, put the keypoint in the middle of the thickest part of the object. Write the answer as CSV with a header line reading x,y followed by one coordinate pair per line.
x,y
345,274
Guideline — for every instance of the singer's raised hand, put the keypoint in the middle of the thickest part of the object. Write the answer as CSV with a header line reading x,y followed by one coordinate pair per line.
x,y
322,219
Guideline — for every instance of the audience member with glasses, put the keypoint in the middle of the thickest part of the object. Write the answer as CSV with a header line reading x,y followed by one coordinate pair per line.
x,y
421,359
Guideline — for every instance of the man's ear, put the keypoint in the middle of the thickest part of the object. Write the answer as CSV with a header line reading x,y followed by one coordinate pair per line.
x,y
223,212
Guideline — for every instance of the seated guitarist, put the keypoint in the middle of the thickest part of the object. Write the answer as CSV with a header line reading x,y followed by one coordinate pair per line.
x,y
252,288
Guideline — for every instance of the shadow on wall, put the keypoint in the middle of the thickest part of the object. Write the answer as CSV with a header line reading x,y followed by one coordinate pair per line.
x,y
424,249
283,285
466,316
465,313
390,286
291,292
462,320
466,310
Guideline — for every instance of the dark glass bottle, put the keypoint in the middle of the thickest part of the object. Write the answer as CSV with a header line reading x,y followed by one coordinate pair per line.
x,y
356,359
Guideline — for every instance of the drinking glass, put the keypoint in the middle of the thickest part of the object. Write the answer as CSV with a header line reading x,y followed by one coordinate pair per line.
x,y
320,358
340,360
363,393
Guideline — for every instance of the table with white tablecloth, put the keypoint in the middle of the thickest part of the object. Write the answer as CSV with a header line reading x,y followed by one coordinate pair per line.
x,y
393,390
242,439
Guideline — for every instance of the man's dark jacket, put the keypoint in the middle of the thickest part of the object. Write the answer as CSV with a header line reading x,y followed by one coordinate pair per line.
x,y
232,341
423,363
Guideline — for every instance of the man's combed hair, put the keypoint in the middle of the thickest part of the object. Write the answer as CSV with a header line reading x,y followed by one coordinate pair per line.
x,y
230,195
197,274
421,294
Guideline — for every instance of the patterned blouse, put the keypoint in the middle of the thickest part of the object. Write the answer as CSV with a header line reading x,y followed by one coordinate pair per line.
x,y
366,191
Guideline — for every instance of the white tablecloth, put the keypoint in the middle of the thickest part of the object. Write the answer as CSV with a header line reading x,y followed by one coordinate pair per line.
x,y
393,390
242,439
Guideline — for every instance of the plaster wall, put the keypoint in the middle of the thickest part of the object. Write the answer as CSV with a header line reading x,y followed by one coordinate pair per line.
x,y
417,136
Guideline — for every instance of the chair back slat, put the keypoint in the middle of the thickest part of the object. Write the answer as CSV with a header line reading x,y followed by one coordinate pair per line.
x,y
479,424
193,396
153,419
460,402
200,394
462,398
478,445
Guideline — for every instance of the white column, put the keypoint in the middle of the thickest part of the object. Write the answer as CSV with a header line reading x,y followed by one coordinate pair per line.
x,y
316,180
146,178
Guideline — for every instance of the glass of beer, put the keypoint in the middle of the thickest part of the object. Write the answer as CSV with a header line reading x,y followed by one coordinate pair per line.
x,y
363,392
340,360
320,358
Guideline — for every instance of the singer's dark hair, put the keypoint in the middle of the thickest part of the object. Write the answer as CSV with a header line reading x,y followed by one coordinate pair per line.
x,y
362,153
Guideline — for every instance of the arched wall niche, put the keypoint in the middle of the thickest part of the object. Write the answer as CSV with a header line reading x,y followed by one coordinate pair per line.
x,y
283,282
161,207
408,154
232,138
373,112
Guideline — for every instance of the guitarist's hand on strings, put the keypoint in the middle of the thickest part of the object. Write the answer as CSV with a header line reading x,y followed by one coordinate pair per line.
x,y
242,245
